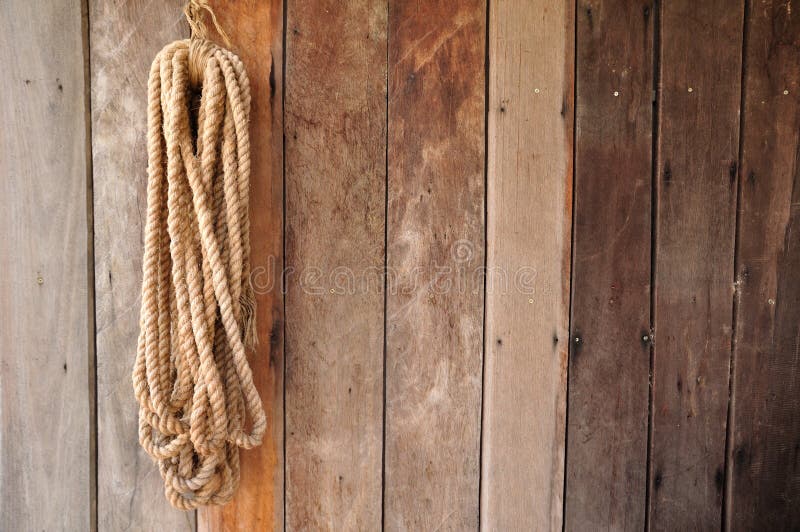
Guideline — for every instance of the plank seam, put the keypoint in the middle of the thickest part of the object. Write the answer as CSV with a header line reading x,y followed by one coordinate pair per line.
x,y
385,272
728,467
570,346
654,157
484,351
90,277
283,286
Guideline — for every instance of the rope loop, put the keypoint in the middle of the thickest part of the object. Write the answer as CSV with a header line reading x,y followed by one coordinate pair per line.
x,y
197,401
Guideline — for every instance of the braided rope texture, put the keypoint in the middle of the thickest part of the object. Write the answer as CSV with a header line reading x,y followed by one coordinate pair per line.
x,y
197,401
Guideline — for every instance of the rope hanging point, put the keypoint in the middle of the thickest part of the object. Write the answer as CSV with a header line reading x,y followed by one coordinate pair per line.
x,y
197,401
194,16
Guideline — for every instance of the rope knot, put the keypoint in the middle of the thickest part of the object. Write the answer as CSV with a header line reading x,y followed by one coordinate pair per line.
x,y
200,51
194,15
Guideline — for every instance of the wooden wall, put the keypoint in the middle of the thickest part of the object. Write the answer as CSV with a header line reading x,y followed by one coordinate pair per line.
x,y
520,264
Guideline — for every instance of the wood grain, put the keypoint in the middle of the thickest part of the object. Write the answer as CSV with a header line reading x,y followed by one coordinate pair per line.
x,y
335,131
609,367
45,425
435,248
529,217
698,138
763,468
255,28
125,37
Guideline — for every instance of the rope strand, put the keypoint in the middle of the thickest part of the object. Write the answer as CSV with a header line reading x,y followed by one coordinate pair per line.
x,y
194,16
191,377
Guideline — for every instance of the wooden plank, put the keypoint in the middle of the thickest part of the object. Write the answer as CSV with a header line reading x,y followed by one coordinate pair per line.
x,y
124,37
698,138
531,72
609,367
255,29
763,469
435,244
45,425
335,130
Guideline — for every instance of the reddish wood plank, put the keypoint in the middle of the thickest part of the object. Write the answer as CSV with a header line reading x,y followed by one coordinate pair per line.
x,y
335,130
698,141
255,28
529,220
763,464
609,367
435,247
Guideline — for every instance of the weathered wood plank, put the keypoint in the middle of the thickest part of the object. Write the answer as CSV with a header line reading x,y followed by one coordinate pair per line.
x,y
124,37
435,252
609,367
255,28
335,131
763,467
698,138
45,426
531,71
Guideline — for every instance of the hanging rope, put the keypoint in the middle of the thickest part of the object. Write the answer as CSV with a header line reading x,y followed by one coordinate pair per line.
x,y
197,400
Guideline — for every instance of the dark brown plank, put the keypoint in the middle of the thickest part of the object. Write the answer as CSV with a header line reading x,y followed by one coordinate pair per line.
x,y
435,245
698,139
764,459
45,414
335,131
255,28
529,221
609,366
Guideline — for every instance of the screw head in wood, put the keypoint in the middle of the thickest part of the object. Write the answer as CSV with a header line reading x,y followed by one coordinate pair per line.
x,y
690,89
785,92
616,93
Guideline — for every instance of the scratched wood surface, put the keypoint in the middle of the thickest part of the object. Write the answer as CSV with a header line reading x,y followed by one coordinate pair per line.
x,y
763,467
45,424
698,139
435,239
335,135
124,37
609,366
529,217
256,34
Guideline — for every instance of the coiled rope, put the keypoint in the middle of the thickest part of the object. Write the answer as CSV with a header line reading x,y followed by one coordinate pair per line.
x,y
197,400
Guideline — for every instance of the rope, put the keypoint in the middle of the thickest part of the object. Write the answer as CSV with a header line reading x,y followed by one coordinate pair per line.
x,y
197,401
194,15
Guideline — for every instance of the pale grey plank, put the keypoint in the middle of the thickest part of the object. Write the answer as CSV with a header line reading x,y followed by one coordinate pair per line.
x,y
124,36
529,208
44,326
